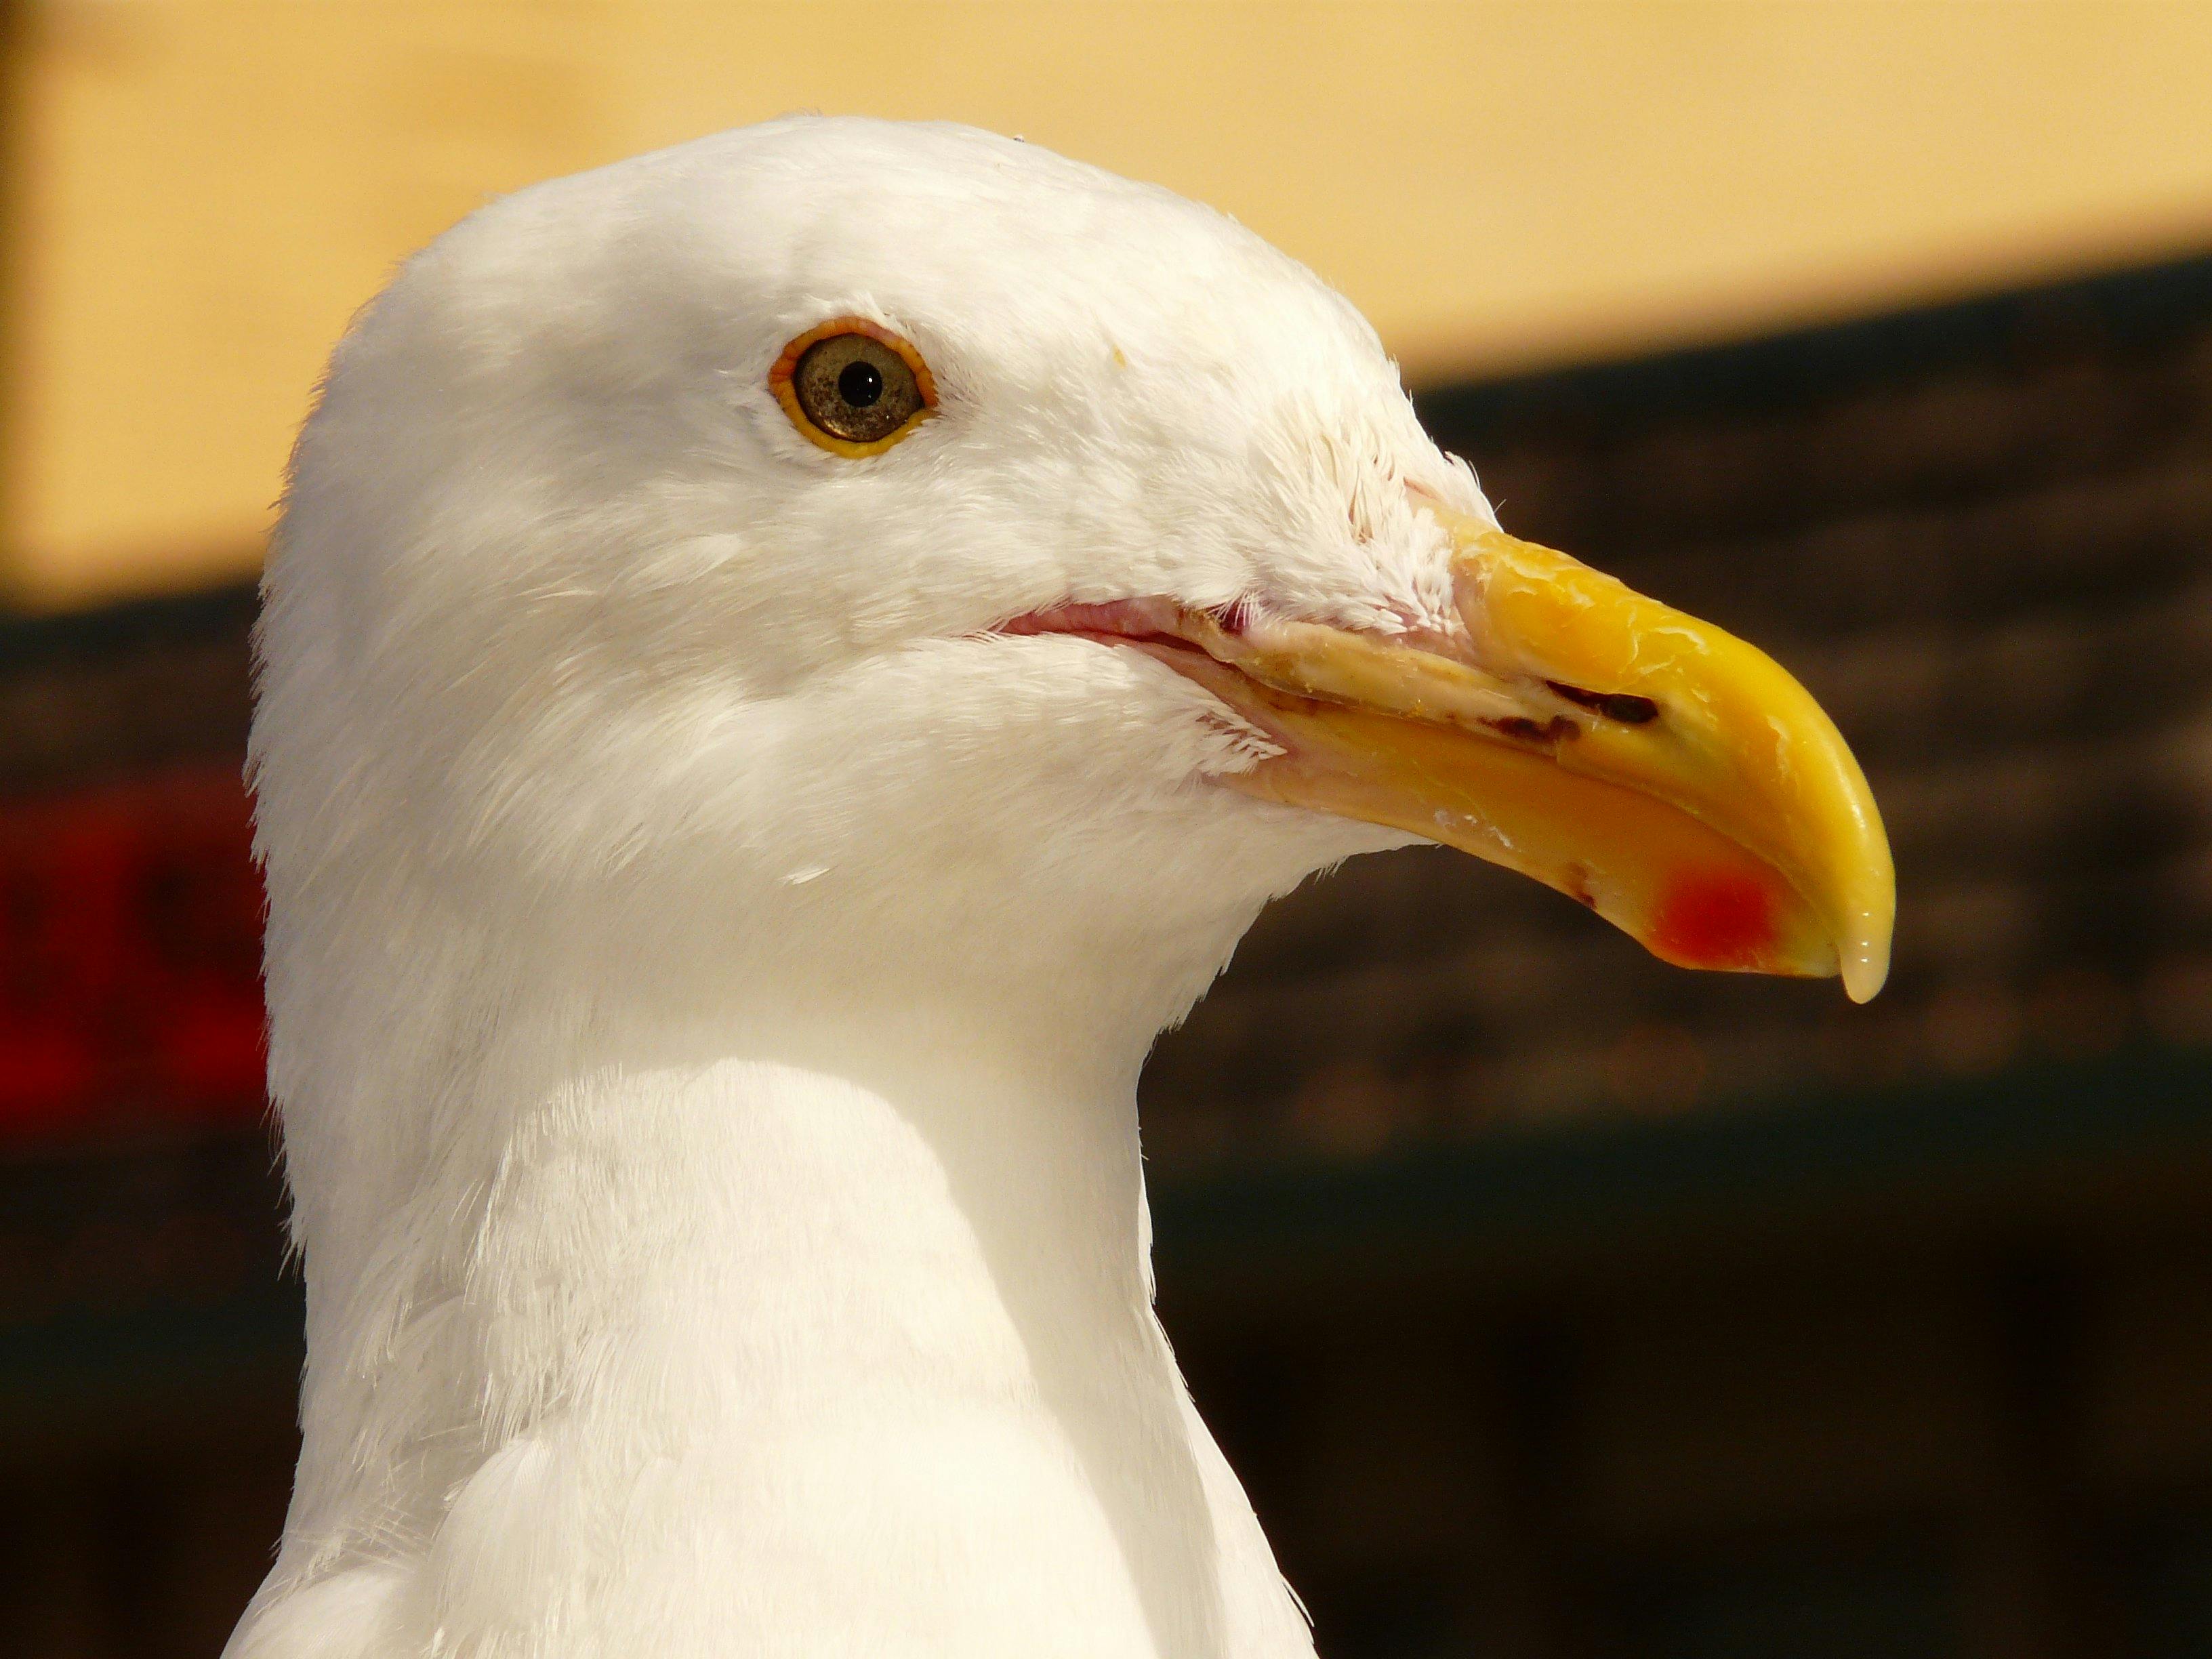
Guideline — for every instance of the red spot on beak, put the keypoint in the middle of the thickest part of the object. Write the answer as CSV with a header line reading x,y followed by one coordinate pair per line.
x,y
1716,920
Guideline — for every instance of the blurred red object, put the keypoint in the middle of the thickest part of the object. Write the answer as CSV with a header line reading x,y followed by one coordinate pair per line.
x,y
130,960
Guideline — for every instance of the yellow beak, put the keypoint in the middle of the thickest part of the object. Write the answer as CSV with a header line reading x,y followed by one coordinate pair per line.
x,y
1661,771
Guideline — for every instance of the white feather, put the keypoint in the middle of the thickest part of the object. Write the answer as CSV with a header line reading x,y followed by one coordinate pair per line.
x,y
709,971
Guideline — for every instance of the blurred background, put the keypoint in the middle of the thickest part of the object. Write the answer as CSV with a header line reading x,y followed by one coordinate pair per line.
x,y
1552,1302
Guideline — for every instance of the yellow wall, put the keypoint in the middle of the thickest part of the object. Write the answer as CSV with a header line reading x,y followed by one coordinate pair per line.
x,y
209,187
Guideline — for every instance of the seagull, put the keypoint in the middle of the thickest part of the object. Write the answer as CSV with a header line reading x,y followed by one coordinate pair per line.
x,y
786,663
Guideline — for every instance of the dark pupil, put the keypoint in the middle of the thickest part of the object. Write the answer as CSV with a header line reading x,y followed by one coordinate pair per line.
x,y
860,384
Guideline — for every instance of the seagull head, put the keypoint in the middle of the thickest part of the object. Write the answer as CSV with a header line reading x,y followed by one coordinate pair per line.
x,y
880,544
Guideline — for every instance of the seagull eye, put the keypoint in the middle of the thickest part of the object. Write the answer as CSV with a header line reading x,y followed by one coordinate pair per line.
x,y
852,387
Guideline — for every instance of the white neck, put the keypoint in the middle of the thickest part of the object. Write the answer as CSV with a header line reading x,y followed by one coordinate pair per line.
x,y
678,1325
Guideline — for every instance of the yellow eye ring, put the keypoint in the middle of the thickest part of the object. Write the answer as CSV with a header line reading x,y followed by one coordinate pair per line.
x,y
852,387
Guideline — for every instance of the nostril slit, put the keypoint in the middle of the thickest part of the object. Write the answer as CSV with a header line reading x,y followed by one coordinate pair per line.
x,y
1623,706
